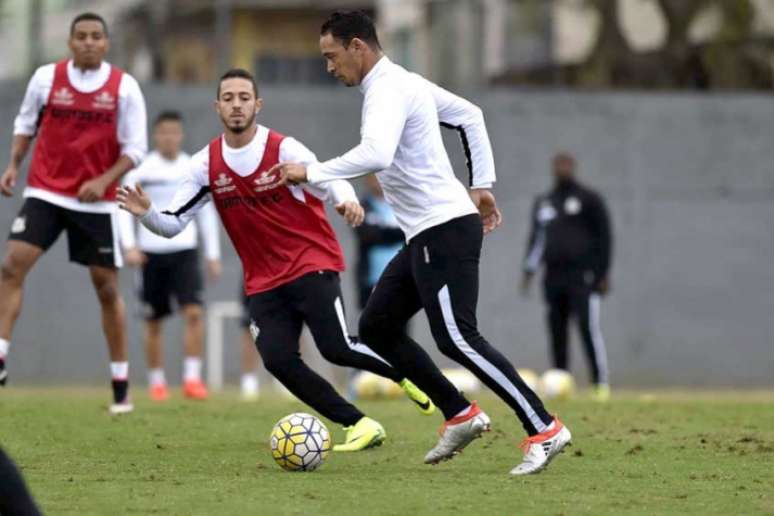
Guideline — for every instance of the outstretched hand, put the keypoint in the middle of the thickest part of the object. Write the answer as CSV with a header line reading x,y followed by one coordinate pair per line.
x,y
487,208
352,212
290,173
134,200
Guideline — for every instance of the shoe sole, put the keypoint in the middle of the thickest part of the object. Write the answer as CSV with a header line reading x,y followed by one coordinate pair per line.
x,y
486,428
121,410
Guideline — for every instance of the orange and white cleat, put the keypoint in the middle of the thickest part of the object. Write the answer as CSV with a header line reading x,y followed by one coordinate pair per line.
x,y
195,390
457,433
159,392
539,450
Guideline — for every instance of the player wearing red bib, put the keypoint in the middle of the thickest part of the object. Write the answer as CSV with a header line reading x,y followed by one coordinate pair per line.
x,y
289,252
89,120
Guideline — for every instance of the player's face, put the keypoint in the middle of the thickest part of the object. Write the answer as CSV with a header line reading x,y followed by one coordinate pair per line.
x,y
237,105
346,64
168,137
88,44
564,168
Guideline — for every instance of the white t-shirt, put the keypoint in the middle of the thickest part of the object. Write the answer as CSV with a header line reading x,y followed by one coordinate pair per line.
x,y
132,121
401,141
161,179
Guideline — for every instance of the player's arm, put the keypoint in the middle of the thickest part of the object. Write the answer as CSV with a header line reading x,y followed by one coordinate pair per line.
x,y
338,192
384,116
133,256
132,137
534,250
207,220
24,128
461,115
455,112
601,228
193,195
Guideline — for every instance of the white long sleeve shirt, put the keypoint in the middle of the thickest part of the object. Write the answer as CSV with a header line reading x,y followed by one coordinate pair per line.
x,y
194,193
401,141
132,121
161,178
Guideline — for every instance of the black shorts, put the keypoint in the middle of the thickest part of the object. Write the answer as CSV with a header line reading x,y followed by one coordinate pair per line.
x,y
170,277
91,237
245,319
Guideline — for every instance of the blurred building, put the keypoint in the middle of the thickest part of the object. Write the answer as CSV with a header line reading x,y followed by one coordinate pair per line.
x,y
459,43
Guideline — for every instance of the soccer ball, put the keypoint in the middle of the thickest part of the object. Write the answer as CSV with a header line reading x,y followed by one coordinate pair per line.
x,y
557,384
300,442
465,381
530,378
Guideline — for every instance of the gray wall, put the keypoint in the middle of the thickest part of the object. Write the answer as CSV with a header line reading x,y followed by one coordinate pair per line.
x,y
689,180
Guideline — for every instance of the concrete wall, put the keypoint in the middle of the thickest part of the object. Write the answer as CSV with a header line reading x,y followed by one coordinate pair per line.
x,y
690,183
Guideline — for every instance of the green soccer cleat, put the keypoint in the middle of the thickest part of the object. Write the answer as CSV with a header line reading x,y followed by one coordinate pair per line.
x,y
421,400
364,434
601,393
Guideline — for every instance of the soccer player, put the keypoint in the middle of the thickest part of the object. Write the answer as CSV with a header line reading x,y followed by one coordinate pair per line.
x,y
289,252
89,120
170,267
571,235
444,226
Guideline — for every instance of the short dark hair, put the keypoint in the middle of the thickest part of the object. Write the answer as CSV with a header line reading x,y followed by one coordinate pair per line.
x,y
169,115
348,25
238,73
88,17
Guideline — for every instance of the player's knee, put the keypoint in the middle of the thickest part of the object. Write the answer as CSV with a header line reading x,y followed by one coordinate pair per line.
x,y
10,271
279,366
372,328
107,292
336,356
193,314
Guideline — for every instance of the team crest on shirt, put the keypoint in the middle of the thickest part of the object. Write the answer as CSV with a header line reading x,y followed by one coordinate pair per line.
x,y
63,97
572,206
223,184
265,181
104,101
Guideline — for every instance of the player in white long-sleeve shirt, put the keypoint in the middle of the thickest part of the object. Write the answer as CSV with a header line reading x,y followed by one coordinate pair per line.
x,y
444,226
290,255
88,118
170,267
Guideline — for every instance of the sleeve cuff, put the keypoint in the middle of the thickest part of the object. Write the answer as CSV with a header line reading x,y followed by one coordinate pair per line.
x,y
313,173
483,186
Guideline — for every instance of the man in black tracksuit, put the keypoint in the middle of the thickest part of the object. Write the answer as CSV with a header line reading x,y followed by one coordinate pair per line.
x,y
571,236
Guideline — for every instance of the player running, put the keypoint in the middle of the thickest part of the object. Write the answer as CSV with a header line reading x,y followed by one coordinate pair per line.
x,y
438,270
89,119
289,252
170,267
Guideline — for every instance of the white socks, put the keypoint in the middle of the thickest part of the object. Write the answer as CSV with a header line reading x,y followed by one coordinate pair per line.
x,y
119,370
250,385
4,345
156,377
192,369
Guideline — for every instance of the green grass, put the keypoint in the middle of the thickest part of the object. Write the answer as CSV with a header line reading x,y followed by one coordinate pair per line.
x,y
668,453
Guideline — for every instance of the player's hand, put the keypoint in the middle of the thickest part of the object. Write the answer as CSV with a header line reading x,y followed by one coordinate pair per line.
x,y
134,257
134,200
526,283
214,270
92,190
603,286
8,180
290,173
352,212
487,207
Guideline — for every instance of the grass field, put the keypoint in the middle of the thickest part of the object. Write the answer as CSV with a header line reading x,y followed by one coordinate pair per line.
x,y
668,453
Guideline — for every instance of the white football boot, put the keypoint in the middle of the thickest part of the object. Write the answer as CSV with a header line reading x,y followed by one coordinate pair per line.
x,y
121,408
540,449
457,433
